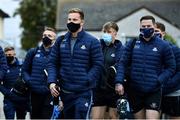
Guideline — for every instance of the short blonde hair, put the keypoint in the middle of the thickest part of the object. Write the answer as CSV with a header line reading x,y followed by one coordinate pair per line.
x,y
109,25
77,10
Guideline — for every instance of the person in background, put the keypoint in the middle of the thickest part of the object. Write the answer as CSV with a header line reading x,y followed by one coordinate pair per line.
x,y
13,102
77,61
3,64
35,75
148,56
104,92
171,88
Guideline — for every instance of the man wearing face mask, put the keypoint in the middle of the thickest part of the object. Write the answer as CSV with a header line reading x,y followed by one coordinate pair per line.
x,y
104,92
34,73
148,56
77,60
13,103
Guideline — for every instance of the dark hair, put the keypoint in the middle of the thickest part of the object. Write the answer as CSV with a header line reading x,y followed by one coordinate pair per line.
x,y
50,29
161,26
109,25
9,48
77,10
148,17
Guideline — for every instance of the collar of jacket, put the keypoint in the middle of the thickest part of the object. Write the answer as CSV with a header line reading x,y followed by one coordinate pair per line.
x,y
44,51
15,63
79,35
153,38
116,43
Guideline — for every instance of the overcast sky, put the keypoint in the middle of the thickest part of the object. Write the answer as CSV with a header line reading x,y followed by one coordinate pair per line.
x,y
12,29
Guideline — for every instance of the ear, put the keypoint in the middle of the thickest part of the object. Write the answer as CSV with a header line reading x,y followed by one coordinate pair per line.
x,y
82,22
163,34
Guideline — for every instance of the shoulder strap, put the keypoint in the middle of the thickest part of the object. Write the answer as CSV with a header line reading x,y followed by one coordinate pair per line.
x,y
34,53
61,38
133,44
32,56
131,50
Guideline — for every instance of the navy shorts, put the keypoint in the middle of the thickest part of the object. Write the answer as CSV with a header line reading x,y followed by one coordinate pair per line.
x,y
171,105
105,98
139,100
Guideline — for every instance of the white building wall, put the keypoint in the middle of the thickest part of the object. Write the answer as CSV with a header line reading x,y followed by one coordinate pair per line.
x,y
129,26
1,28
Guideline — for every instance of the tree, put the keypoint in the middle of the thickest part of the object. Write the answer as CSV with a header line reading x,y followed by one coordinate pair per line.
x,y
35,15
170,39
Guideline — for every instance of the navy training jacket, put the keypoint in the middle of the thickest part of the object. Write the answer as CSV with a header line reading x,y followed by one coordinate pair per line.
x,y
80,70
173,83
112,54
3,64
9,80
148,59
10,77
35,63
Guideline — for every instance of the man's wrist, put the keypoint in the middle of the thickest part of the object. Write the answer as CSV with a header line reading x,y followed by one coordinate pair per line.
x,y
117,84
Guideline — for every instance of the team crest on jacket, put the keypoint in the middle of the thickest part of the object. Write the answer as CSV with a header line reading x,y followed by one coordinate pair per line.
x,y
112,55
86,104
37,55
83,47
8,71
155,49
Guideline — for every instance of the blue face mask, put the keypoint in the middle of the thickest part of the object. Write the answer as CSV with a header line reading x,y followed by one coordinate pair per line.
x,y
107,38
158,35
146,32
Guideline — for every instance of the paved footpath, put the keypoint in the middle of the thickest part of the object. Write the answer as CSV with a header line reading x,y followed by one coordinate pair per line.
x,y
1,107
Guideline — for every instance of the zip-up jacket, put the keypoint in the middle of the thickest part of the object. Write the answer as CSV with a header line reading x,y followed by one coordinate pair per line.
x,y
34,65
173,83
112,54
148,59
78,71
9,80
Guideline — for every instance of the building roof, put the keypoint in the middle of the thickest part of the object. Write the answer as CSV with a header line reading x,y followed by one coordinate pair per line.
x,y
3,14
97,12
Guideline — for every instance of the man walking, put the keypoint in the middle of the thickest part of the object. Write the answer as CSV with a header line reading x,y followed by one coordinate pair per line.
x,y
152,63
77,60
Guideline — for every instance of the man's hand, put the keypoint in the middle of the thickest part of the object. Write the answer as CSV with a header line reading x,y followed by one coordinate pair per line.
x,y
119,89
54,90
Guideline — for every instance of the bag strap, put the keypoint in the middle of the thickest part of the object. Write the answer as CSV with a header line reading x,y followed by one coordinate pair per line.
x,y
131,49
32,56
133,44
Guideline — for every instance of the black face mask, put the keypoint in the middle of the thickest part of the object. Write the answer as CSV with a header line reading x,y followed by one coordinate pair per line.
x,y
9,59
73,27
46,41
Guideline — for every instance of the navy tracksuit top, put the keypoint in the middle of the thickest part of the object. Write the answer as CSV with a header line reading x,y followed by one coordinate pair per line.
x,y
80,70
173,83
148,59
34,65
10,77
